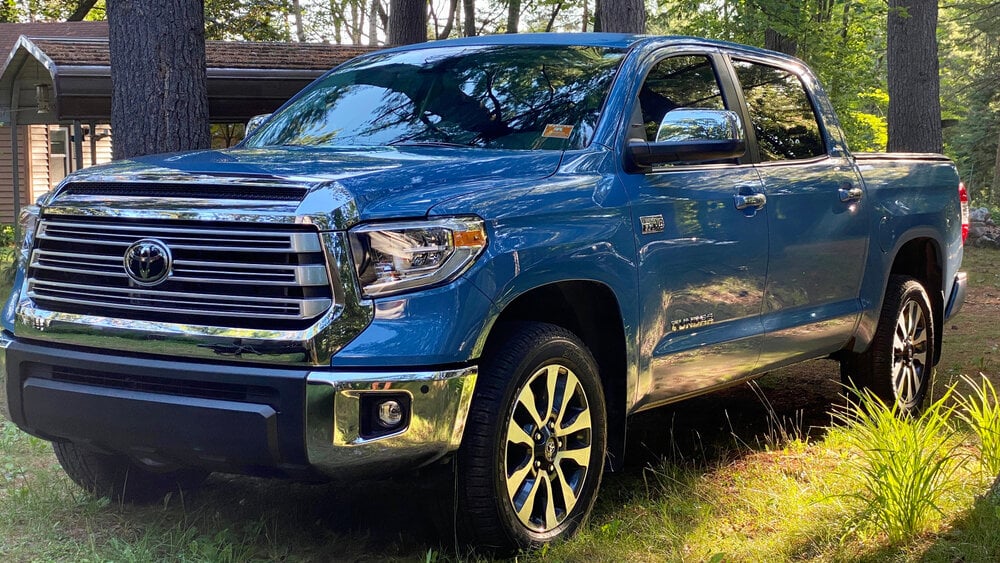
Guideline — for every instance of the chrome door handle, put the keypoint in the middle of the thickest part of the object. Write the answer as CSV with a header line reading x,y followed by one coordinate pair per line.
x,y
755,201
847,195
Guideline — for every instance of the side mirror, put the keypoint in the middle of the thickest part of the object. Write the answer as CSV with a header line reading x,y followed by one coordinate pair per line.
x,y
690,136
255,122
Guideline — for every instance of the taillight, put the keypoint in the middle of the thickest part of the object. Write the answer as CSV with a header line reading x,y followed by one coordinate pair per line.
x,y
963,199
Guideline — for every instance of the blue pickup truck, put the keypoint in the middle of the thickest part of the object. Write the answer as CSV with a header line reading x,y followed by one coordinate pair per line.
x,y
487,252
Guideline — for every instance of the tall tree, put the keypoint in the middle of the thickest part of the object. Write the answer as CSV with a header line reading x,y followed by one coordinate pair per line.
x,y
622,16
469,22
513,15
914,84
159,94
407,22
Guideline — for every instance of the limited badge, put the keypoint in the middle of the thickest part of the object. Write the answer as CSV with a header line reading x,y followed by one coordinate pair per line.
x,y
557,131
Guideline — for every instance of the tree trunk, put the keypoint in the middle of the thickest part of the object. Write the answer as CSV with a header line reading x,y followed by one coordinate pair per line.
x,y
82,9
407,22
914,84
469,25
373,23
452,10
995,188
159,94
622,16
513,15
597,16
300,35
782,43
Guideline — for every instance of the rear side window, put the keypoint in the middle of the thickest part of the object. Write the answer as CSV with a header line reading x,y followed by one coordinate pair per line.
x,y
781,113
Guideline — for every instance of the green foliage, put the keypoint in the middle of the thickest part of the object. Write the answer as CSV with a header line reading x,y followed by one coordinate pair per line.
x,y
981,411
968,33
57,10
905,466
247,20
6,235
9,11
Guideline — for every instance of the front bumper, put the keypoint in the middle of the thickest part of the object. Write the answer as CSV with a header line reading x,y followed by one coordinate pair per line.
x,y
233,418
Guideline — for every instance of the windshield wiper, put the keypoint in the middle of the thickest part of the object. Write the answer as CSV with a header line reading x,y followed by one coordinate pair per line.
x,y
407,143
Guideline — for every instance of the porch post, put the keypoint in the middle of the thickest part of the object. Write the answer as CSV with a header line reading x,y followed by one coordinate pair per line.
x,y
78,144
15,156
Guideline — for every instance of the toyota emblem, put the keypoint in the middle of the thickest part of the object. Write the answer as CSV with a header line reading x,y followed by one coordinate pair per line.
x,y
148,262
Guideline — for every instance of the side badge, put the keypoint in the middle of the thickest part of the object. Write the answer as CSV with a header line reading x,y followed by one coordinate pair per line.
x,y
651,224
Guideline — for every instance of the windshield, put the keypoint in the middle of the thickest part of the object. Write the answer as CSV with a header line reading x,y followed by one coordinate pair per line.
x,y
510,97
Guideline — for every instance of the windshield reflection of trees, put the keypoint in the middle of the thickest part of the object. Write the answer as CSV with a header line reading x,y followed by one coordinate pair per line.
x,y
494,97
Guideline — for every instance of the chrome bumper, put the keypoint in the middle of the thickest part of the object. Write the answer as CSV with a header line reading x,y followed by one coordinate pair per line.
x,y
439,404
957,297
4,343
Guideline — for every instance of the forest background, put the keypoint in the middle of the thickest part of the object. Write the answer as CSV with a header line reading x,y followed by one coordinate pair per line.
x,y
843,41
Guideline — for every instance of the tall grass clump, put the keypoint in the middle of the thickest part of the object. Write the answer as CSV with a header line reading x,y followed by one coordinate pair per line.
x,y
905,465
980,409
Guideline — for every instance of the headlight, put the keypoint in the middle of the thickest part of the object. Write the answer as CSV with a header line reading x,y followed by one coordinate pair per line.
x,y
396,257
27,224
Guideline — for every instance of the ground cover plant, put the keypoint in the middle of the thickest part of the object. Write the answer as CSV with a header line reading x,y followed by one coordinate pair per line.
x,y
755,472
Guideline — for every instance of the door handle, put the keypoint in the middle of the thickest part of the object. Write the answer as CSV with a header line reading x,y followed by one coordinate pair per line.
x,y
851,194
750,201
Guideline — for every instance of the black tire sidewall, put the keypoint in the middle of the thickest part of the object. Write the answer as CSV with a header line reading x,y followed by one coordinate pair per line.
x,y
549,345
902,290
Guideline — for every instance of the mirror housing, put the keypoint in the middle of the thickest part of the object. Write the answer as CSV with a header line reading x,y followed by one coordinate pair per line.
x,y
690,136
255,122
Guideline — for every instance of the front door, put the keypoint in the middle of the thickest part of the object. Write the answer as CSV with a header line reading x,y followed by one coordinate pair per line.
x,y
701,261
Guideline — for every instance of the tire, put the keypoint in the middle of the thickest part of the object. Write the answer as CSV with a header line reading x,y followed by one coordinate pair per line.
x,y
118,478
898,365
529,468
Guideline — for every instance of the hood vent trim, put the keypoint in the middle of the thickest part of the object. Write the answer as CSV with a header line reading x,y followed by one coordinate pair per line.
x,y
185,191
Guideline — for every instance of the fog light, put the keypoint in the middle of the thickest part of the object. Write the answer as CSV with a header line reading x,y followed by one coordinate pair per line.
x,y
390,414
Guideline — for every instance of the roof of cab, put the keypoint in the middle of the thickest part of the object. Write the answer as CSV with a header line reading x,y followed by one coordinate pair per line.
x,y
608,40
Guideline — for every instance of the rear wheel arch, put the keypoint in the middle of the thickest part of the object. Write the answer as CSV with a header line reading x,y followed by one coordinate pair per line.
x,y
921,259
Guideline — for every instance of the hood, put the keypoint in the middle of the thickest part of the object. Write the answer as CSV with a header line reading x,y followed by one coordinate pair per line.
x,y
345,185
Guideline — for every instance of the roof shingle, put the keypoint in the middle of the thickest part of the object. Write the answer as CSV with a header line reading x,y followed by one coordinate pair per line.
x,y
218,54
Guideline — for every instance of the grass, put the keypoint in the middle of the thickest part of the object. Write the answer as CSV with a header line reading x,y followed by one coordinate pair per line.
x,y
747,474
905,466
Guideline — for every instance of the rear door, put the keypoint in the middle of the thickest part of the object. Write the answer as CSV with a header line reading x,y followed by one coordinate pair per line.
x,y
817,215
701,261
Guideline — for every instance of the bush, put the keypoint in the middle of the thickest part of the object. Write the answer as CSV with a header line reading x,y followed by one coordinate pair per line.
x,y
906,465
7,236
981,411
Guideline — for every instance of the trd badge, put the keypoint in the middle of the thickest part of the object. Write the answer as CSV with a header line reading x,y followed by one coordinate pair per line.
x,y
651,224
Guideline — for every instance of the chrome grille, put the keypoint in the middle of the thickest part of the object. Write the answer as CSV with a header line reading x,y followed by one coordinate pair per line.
x,y
222,275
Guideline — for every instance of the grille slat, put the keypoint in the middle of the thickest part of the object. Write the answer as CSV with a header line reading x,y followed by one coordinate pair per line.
x,y
191,238
261,192
222,274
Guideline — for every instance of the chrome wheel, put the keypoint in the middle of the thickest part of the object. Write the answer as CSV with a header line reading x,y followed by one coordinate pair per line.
x,y
910,355
548,448
898,364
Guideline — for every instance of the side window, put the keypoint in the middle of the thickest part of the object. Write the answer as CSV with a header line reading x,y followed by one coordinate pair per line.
x,y
782,116
686,81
